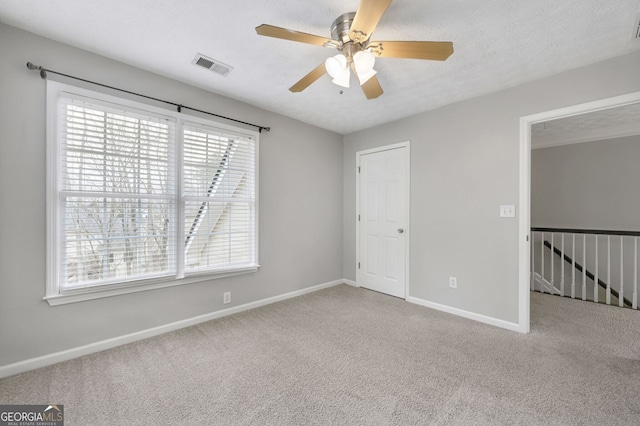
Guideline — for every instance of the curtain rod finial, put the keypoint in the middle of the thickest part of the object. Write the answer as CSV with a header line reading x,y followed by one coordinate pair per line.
x,y
43,72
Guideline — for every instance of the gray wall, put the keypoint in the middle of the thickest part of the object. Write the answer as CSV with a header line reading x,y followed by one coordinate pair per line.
x,y
593,185
300,245
464,164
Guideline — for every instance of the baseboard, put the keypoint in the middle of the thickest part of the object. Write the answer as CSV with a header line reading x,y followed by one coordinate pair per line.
x,y
54,358
466,314
350,282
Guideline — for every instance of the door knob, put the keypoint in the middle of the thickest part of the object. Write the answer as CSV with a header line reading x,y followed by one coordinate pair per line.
x,y
400,230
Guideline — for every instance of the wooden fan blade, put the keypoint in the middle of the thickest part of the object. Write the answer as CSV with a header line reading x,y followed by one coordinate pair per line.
x,y
308,79
433,50
367,17
372,88
278,32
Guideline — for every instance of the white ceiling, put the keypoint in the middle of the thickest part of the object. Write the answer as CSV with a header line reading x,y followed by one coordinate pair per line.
x,y
497,43
604,124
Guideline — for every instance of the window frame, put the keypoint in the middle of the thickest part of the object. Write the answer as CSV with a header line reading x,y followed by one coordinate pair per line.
x,y
55,294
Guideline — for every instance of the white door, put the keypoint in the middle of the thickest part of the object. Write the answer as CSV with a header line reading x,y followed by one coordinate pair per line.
x,y
382,216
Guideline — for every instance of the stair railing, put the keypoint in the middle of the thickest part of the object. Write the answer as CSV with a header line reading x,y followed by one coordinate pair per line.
x,y
553,248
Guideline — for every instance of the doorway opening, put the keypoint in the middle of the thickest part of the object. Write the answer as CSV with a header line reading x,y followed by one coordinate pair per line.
x,y
526,124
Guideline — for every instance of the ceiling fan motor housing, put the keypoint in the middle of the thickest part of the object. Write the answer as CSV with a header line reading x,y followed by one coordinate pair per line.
x,y
340,32
341,26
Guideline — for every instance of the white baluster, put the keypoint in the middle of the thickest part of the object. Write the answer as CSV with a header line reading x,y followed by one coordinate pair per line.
x,y
635,273
542,261
584,266
532,283
573,266
608,301
553,265
562,266
621,292
595,279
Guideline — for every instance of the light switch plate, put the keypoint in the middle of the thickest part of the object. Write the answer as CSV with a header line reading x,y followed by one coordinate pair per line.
x,y
508,211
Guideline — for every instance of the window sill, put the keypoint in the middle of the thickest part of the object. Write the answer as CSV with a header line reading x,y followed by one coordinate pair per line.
x,y
98,292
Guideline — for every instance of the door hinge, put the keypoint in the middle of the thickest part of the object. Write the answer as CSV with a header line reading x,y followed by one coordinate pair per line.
x,y
358,218
358,265
358,169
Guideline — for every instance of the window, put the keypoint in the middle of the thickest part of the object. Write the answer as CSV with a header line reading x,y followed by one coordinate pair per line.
x,y
139,197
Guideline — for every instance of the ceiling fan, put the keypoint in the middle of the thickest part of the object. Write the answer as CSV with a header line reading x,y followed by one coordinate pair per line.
x,y
350,35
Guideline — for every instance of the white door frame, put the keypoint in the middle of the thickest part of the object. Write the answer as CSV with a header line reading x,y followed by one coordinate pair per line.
x,y
407,228
525,187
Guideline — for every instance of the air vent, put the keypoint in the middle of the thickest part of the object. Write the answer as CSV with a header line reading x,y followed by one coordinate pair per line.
x,y
636,28
212,65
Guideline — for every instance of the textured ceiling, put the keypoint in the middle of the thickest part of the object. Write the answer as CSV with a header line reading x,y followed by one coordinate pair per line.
x,y
627,115
498,44
604,124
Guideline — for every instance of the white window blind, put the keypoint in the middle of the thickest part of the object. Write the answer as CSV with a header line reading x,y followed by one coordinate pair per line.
x,y
139,196
219,197
116,193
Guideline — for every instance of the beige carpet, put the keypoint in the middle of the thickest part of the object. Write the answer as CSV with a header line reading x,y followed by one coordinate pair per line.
x,y
347,356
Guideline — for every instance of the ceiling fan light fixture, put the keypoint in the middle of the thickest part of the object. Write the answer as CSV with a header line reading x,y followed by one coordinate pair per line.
x,y
336,65
342,79
364,61
364,77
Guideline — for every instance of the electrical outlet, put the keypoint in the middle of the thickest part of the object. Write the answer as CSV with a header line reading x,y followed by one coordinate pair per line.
x,y
226,297
453,282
